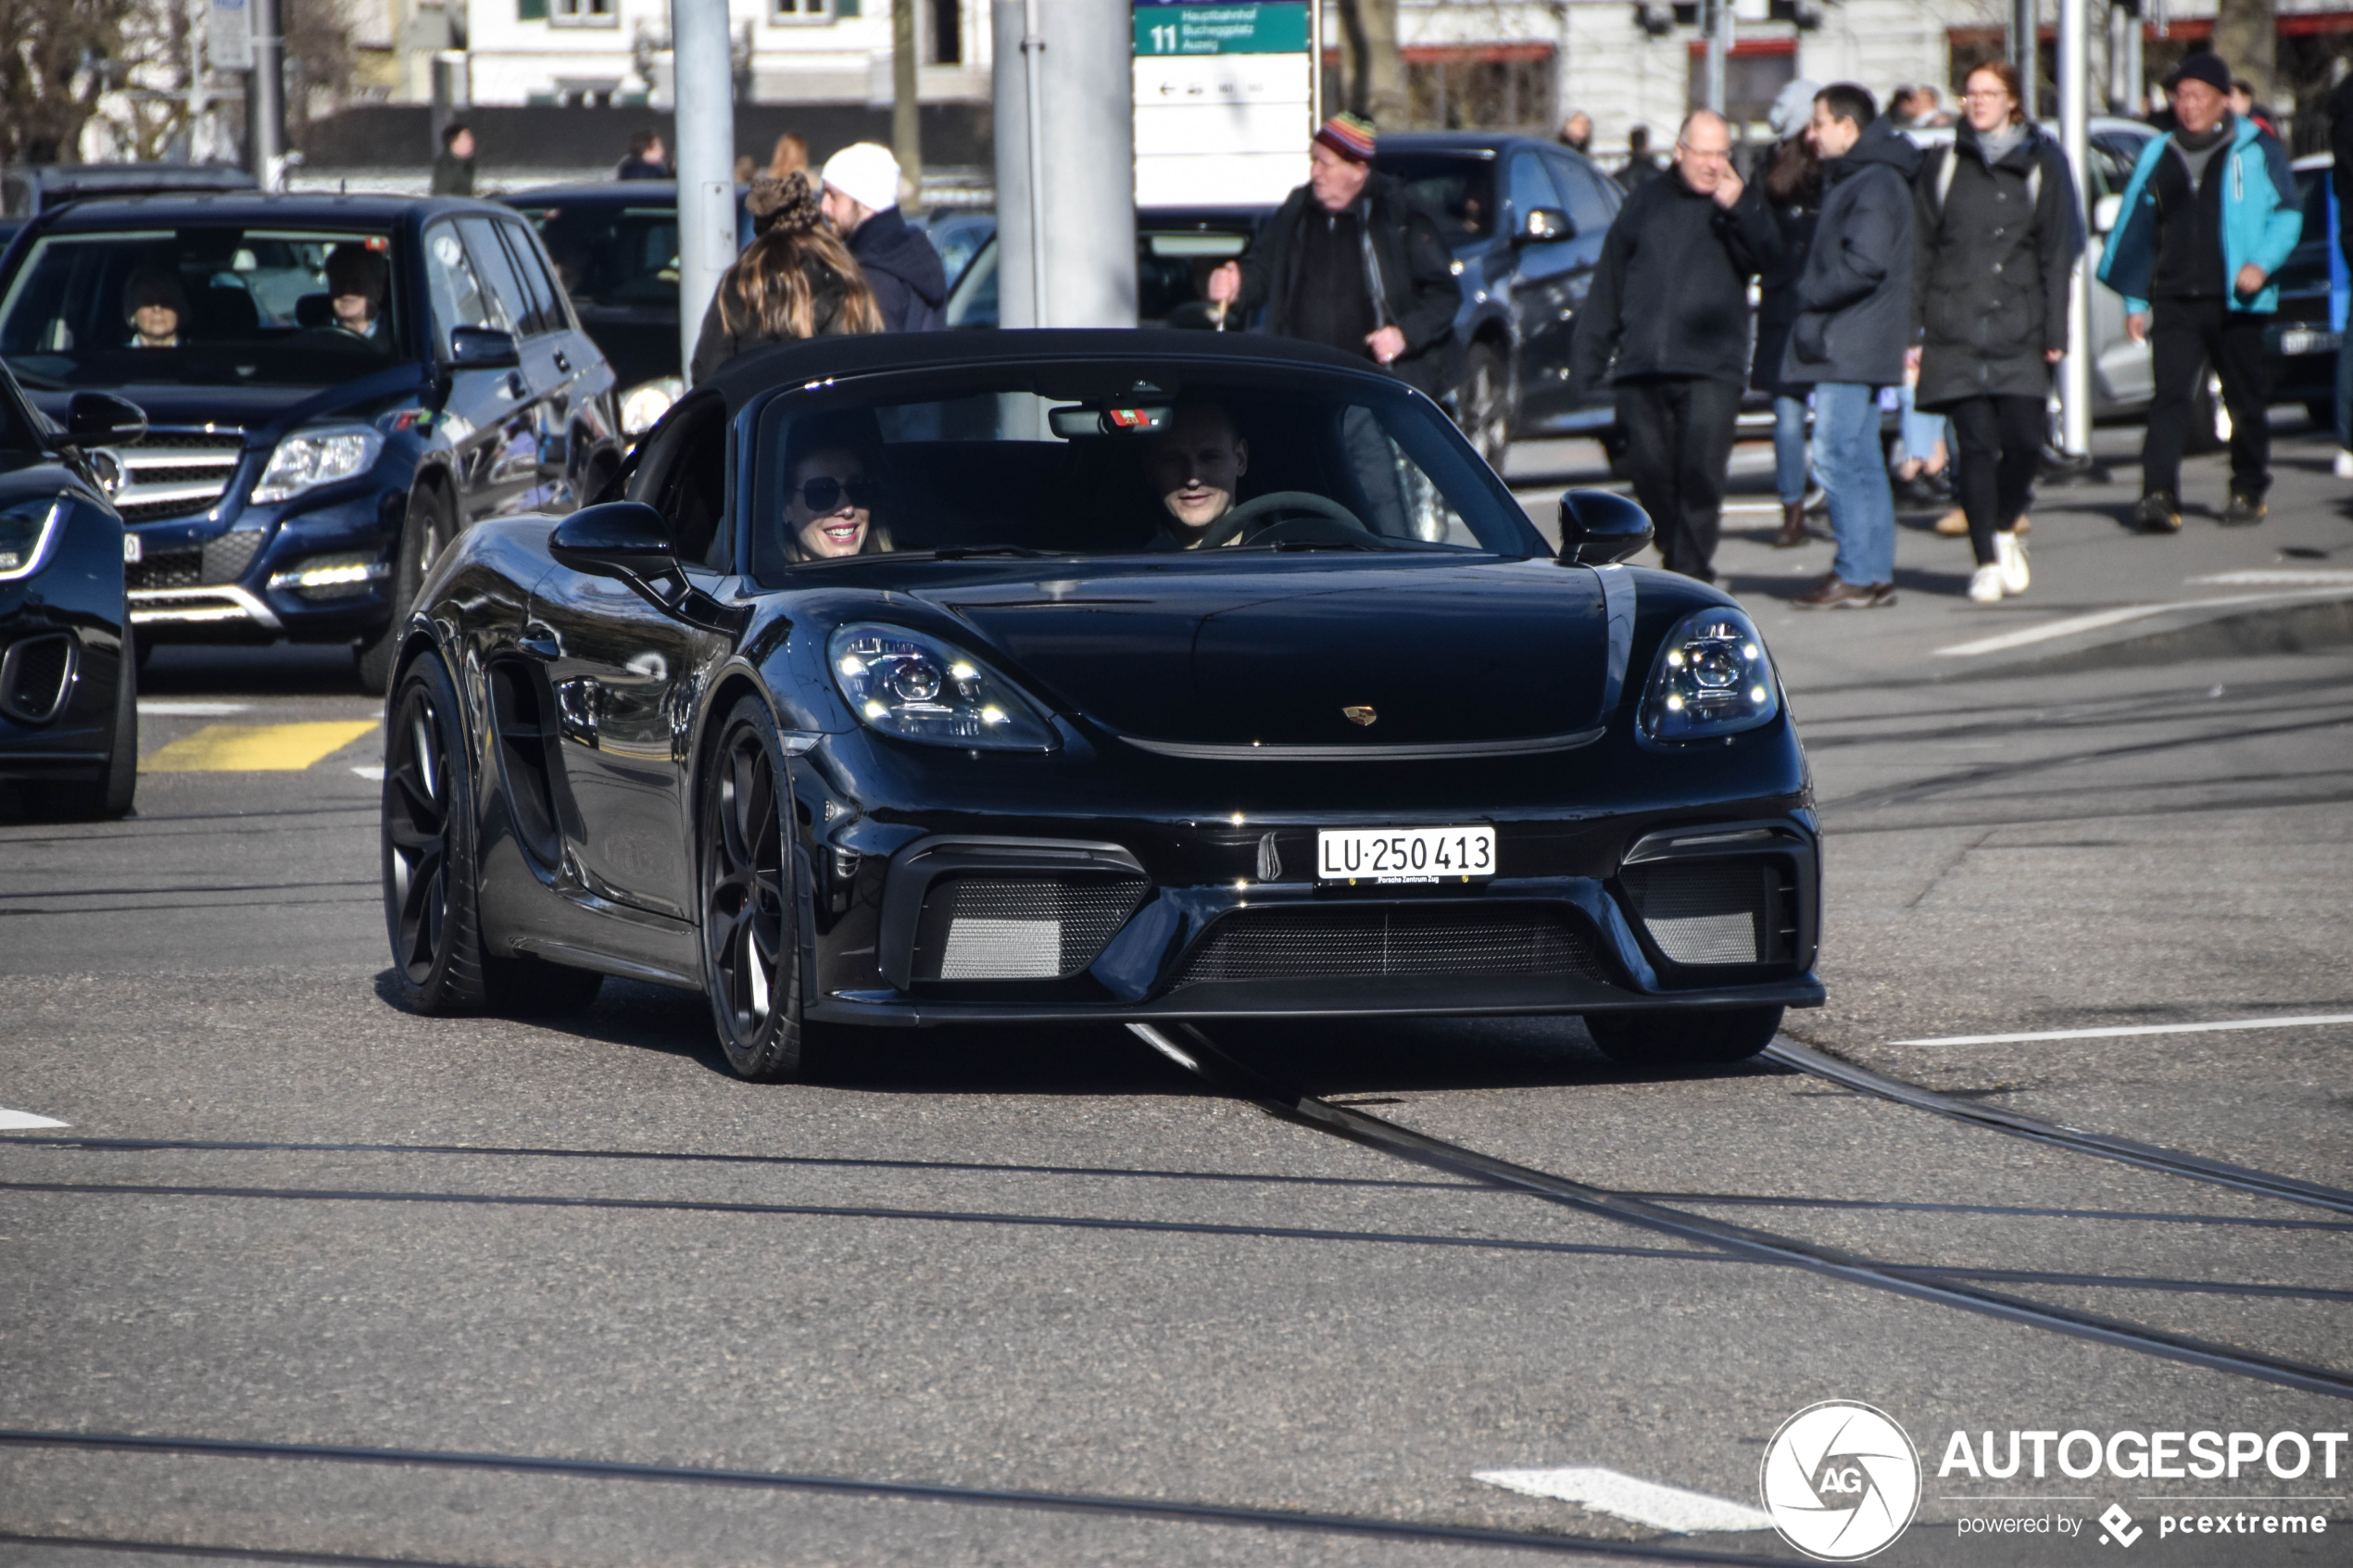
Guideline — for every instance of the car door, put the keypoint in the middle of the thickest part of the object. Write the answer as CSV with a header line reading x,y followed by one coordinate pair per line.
x,y
623,674
546,367
1547,284
1594,200
2122,376
586,422
487,416
533,384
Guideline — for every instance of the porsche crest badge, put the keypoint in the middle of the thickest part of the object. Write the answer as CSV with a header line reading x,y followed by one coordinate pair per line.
x,y
1359,715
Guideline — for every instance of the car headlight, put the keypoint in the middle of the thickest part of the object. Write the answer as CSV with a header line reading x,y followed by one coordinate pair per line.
x,y
918,688
643,405
1713,678
315,458
27,529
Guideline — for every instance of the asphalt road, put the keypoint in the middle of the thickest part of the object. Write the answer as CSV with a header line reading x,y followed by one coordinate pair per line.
x,y
1045,1298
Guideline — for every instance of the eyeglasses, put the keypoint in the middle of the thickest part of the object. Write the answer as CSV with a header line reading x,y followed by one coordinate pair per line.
x,y
1993,97
824,494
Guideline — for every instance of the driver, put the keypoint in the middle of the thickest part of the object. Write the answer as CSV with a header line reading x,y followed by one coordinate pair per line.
x,y
1195,465
155,305
357,281
829,510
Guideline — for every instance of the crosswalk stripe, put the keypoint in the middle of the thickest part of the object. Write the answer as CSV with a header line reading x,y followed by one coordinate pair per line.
x,y
244,748
1630,1499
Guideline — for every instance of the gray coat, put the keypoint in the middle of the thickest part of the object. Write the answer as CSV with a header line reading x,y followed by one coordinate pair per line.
x,y
1995,247
1854,299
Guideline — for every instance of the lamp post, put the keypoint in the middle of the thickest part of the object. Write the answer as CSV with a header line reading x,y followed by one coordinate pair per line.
x,y
702,76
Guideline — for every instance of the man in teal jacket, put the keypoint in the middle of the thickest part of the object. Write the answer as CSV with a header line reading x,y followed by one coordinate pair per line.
x,y
2208,218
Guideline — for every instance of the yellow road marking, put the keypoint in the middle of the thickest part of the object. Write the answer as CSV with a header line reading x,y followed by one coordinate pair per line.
x,y
252,749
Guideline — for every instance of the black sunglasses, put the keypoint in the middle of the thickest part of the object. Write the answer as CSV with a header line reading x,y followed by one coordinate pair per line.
x,y
823,494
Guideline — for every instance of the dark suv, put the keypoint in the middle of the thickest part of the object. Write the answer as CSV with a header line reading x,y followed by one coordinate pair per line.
x,y
306,458
1526,219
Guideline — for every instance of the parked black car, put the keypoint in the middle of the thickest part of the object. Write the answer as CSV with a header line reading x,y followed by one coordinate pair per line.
x,y
2301,342
68,685
615,248
1371,748
303,468
1526,219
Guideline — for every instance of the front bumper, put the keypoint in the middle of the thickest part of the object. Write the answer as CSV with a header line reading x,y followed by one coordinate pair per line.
x,y
200,581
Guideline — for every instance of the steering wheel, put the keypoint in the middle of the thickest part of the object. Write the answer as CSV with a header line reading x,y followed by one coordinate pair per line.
x,y
1246,515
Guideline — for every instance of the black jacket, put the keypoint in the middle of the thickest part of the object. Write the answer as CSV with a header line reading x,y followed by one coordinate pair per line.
x,y
1670,296
1777,283
1854,299
2341,142
1417,293
1989,270
715,346
452,175
910,284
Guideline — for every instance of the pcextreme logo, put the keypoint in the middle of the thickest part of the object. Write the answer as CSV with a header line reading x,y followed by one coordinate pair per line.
x,y
1841,1480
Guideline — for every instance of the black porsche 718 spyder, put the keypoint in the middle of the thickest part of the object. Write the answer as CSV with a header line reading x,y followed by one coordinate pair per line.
x,y
1090,676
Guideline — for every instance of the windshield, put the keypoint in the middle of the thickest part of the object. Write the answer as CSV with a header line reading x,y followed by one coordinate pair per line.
x,y
1133,458
211,306
1458,191
609,255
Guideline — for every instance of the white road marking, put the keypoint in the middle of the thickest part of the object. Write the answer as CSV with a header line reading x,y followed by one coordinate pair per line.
x,y
25,1120
2117,617
1624,1496
371,770
2306,1023
2281,576
190,709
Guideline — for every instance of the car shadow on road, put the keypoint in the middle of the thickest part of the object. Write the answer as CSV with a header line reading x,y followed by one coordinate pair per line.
x,y
227,669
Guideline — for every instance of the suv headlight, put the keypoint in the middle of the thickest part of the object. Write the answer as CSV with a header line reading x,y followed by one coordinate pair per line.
x,y
643,405
1713,678
919,688
312,458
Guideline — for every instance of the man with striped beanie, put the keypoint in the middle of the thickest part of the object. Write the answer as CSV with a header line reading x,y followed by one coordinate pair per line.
x,y
1350,263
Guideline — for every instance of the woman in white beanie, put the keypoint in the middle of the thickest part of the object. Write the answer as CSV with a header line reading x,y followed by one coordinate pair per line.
x,y
861,203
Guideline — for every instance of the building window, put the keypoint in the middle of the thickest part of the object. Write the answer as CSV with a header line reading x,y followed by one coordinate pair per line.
x,y
572,94
1754,73
1479,86
807,11
947,32
583,13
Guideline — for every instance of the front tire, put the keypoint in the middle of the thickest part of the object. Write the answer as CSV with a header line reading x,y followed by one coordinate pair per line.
x,y
750,914
423,535
1673,1038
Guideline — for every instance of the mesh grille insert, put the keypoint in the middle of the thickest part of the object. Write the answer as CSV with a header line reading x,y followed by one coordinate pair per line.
x,y
1707,912
165,568
991,927
225,559
33,677
1339,941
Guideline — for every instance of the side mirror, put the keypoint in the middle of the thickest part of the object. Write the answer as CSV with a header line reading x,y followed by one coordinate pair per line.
x,y
2105,212
483,348
1543,225
624,539
93,419
1601,526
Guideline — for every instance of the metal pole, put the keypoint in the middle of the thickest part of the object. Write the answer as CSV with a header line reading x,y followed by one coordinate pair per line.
x,y
906,125
1032,66
265,98
703,73
2026,52
1720,44
2075,102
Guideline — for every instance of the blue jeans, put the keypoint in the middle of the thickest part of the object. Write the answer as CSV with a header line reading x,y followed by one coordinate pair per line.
x,y
1922,432
1862,505
1790,467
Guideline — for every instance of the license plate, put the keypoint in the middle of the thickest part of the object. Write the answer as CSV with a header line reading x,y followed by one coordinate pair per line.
x,y
1462,854
131,552
2304,341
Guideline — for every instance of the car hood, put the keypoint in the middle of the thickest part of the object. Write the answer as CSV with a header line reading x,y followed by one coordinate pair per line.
x,y
1429,652
262,412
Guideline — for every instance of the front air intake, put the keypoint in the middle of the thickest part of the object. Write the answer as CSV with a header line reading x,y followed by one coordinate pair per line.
x,y
36,674
1377,941
1710,913
977,926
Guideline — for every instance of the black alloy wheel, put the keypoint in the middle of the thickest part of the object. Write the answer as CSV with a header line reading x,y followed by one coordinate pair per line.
x,y
750,925
423,535
1673,1038
430,868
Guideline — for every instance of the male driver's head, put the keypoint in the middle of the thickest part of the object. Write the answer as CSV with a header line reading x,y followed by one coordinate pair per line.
x,y
1195,466
2201,93
1841,110
1704,150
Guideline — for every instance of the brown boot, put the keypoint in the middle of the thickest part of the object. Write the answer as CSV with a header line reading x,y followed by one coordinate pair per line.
x,y
1793,526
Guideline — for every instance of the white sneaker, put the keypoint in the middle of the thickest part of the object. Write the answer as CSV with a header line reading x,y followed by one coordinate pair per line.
x,y
1985,584
2344,464
2009,554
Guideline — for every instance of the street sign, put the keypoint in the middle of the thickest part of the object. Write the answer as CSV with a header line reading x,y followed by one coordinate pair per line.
x,y
1224,102
231,43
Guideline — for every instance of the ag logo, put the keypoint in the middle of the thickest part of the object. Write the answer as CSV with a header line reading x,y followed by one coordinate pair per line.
x,y
1840,1480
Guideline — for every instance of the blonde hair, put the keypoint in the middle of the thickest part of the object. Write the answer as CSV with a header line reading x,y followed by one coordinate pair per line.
x,y
790,153
769,290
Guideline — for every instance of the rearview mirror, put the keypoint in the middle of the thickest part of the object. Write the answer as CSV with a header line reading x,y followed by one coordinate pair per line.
x,y
483,348
624,539
2105,212
93,419
1075,421
1601,526
1543,225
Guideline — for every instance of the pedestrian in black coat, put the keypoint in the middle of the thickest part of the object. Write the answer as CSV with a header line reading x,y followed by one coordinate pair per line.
x,y
1998,236
1348,263
862,202
1666,323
